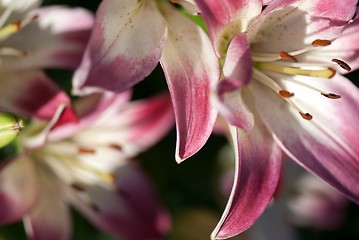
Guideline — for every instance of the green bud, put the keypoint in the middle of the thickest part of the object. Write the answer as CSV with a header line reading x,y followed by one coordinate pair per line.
x,y
10,127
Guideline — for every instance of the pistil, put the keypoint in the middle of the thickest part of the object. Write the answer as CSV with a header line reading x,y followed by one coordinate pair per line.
x,y
321,73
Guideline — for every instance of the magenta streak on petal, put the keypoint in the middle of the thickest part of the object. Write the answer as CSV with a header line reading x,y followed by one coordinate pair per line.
x,y
151,120
256,178
67,59
10,212
42,99
120,73
123,55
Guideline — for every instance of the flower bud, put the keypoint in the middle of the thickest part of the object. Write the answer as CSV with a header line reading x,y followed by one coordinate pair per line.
x,y
10,127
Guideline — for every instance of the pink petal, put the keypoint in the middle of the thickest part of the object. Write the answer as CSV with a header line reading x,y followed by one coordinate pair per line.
x,y
237,73
237,61
56,39
258,163
31,93
345,48
50,218
133,127
328,144
231,105
292,25
131,210
227,18
89,108
191,69
145,122
17,189
125,46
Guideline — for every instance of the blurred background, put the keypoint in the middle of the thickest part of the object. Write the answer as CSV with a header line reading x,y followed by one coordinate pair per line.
x,y
195,192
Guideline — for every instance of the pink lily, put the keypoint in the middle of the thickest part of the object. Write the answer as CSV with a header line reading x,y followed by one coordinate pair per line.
x,y
128,41
281,93
316,204
86,165
31,39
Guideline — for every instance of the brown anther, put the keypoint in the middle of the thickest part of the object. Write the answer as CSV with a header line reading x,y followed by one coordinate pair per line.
x,y
321,43
286,56
331,95
84,150
94,207
285,94
24,53
17,25
342,64
306,116
113,177
333,72
77,187
115,146
35,17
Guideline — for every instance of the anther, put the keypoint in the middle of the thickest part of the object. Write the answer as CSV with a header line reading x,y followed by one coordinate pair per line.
x,y
84,150
115,146
94,207
331,95
306,116
321,43
332,71
285,94
286,56
77,187
342,64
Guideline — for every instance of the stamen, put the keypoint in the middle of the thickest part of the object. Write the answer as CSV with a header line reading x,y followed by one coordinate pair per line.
x,y
322,73
263,78
285,94
9,29
84,150
306,116
321,43
94,206
77,187
331,95
7,51
342,64
328,95
286,56
115,146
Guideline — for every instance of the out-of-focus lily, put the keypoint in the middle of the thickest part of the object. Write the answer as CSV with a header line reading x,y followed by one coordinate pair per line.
x,y
33,38
281,93
128,41
315,204
86,164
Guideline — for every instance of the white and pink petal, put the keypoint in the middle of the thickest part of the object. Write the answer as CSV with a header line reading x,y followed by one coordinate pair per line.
x,y
125,46
18,190
257,171
56,38
192,71
225,19
326,145
50,218
32,93
129,209
293,25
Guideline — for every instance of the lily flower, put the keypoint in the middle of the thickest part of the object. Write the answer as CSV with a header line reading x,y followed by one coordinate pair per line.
x,y
128,41
87,165
315,204
34,38
282,93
